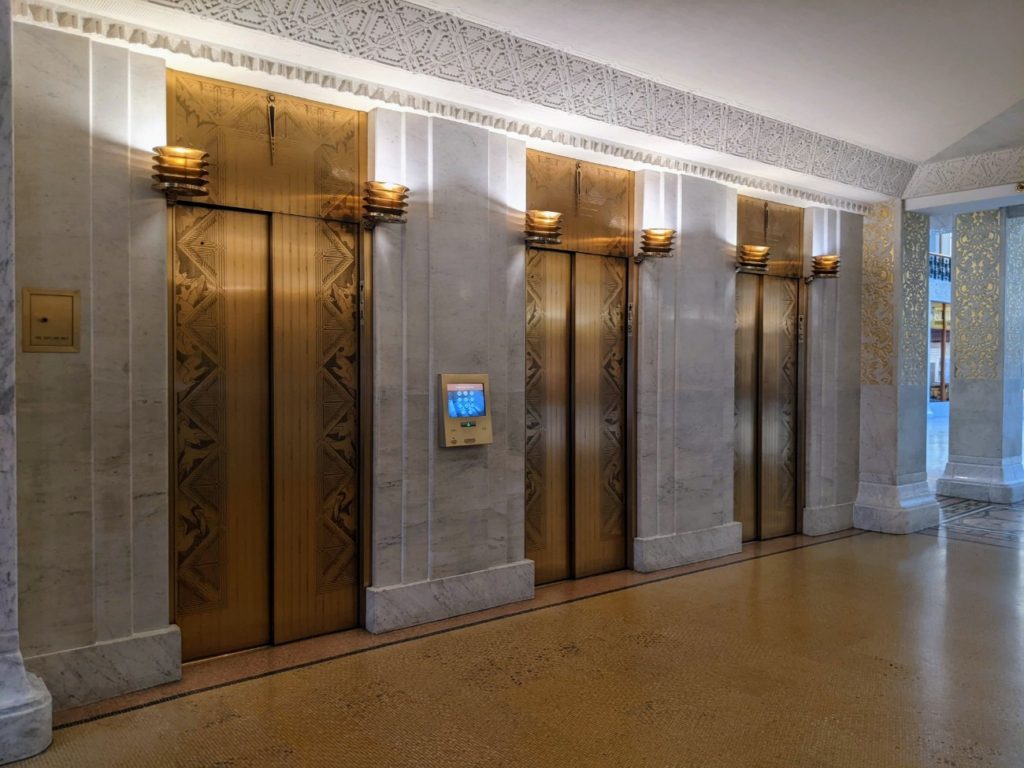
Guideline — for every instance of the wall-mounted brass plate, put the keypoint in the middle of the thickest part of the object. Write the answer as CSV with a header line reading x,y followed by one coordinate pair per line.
x,y
49,321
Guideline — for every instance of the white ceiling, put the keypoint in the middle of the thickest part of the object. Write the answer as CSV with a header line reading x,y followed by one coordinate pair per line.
x,y
908,78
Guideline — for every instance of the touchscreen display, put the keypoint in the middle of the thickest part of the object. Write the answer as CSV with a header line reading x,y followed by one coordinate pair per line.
x,y
466,400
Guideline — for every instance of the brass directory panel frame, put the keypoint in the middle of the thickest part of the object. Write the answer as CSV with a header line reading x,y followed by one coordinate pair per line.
x,y
474,426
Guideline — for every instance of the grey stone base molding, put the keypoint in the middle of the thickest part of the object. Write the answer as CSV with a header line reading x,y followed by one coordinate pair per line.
x,y
1000,481
83,675
903,508
821,520
655,553
406,605
26,711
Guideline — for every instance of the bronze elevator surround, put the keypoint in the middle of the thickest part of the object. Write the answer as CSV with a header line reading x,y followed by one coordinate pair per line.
x,y
580,371
270,366
770,311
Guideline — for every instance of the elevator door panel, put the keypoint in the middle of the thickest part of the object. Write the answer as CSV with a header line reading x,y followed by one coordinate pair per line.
x,y
548,338
221,429
551,184
745,469
599,405
316,395
780,312
603,216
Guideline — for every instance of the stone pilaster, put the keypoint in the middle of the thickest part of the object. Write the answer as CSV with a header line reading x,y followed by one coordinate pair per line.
x,y
833,372
893,494
988,347
25,704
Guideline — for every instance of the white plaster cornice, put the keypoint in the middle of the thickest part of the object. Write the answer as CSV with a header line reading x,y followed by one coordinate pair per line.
x,y
962,174
429,42
120,32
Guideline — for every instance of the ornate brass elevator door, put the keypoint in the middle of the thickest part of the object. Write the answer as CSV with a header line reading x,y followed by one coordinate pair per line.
x,y
221,429
576,509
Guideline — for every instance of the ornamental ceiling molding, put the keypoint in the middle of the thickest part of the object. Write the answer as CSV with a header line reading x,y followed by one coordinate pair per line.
x,y
429,42
90,24
961,174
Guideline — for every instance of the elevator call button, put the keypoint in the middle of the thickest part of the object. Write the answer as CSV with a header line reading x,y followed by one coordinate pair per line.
x,y
464,405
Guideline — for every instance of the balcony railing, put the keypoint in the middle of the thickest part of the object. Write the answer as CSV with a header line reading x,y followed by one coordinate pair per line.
x,y
940,267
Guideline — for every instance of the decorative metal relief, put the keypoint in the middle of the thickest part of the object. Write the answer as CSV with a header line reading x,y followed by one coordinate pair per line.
x,y
199,406
613,397
914,313
977,295
878,335
338,394
535,529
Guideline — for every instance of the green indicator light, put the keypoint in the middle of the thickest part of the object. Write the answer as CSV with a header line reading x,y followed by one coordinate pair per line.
x,y
468,424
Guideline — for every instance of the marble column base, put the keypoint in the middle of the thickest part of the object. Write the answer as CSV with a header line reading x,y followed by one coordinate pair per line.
x,y
93,672
895,508
655,553
405,605
26,711
821,520
1000,481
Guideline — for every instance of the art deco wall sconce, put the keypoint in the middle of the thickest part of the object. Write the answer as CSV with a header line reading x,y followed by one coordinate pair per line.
x,y
824,267
655,243
543,227
384,202
752,259
180,172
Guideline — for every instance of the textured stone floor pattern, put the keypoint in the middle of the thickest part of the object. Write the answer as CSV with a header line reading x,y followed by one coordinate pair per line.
x,y
865,651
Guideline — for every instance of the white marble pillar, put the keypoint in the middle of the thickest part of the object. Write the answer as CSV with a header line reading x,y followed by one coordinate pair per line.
x,y
833,372
988,347
25,705
893,494
686,329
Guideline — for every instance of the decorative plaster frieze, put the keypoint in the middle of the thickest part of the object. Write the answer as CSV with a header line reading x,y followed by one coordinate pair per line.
x,y
430,42
114,30
988,169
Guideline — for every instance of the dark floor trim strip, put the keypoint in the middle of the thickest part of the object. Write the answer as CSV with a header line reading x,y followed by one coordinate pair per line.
x,y
710,567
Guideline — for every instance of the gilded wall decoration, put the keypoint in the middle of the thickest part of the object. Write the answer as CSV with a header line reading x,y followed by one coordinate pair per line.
x,y
914,314
878,320
430,42
338,391
535,311
1014,297
198,307
977,295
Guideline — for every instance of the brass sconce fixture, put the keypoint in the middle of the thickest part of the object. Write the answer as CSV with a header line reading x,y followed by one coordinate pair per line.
x,y
180,172
752,259
655,244
824,266
384,202
544,227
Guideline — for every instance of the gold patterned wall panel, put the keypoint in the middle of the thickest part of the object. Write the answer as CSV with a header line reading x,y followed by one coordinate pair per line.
x,y
1014,296
878,320
271,152
548,286
316,426
221,429
914,314
977,295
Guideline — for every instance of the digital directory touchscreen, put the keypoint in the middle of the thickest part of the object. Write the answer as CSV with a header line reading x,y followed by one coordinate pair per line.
x,y
466,401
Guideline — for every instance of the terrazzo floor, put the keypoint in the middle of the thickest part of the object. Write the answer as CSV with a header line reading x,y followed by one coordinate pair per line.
x,y
865,650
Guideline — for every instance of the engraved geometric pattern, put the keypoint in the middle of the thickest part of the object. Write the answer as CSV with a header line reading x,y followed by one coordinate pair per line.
x,y
200,401
878,336
959,174
536,538
338,396
310,139
430,42
612,387
977,294
786,481
1014,361
914,315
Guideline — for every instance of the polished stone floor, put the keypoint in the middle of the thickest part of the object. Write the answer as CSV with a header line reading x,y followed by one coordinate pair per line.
x,y
868,650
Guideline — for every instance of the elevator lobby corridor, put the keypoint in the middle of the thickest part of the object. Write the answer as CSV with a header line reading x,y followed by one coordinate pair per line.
x,y
862,650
